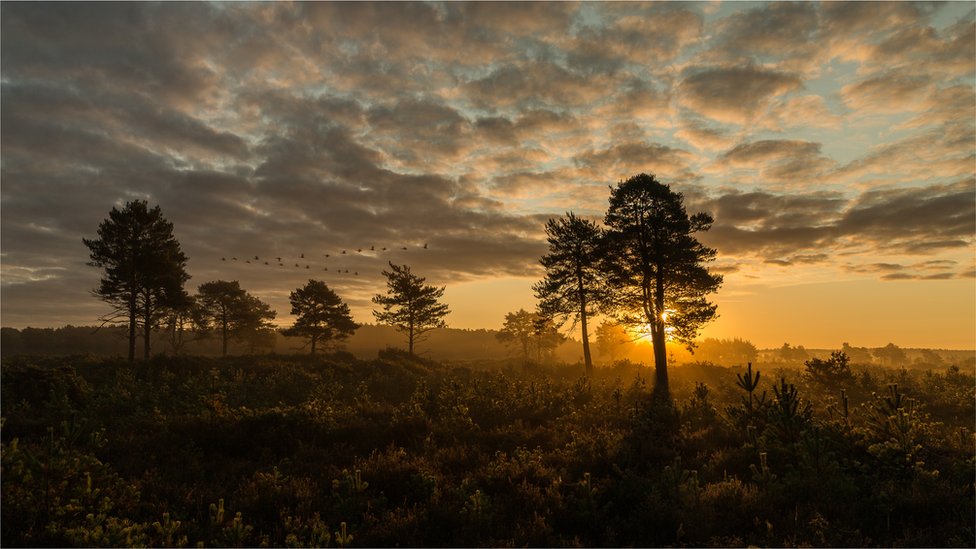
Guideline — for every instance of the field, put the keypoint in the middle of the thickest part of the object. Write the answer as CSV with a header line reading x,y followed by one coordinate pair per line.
x,y
337,451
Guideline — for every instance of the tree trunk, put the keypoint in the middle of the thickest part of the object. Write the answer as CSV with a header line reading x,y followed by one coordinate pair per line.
x,y
147,327
410,339
132,328
662,391
587,360
223,333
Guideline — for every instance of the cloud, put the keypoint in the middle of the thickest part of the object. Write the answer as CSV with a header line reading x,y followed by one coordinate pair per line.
x,y
734,95
944,152
916,221
888,93
791,162
623,160
779,31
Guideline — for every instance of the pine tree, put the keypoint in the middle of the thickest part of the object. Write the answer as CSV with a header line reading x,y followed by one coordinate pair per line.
x,y
322,316
144,269
409,305
227,309
655,267
572,284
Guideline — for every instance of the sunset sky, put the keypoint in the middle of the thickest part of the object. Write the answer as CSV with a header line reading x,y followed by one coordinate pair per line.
x,y
834,144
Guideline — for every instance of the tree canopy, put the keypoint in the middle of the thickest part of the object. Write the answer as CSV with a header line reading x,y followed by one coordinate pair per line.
x,y
655,267
410,305
226,309
573,283
144,269
530,332
322,316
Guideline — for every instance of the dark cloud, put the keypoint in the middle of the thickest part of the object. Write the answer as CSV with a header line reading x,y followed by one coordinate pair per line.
x,y
777,30
620,161
734,94
797,162
912,221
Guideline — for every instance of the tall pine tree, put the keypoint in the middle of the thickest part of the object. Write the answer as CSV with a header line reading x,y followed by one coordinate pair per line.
x,y
409,305
144,269
655,267
572,284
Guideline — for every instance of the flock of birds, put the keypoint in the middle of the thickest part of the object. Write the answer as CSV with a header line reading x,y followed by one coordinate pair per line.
x,y
304,263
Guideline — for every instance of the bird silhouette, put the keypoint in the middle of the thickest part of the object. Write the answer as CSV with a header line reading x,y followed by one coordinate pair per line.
x,y
326,255
356,273
347,270
303,256
360,250
384,249
425,245
279,259
234,258
255,258
265,262
306,266
325,269
372,248
247,261
343,251
223,259
297,265
404,247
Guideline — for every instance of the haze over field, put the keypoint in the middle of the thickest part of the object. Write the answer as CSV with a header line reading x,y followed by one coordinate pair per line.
x,y
834,144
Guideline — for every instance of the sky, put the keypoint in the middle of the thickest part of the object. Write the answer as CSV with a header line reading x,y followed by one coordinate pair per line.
x,y
834,144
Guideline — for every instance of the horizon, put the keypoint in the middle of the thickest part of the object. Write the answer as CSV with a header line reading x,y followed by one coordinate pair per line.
x,y
834,145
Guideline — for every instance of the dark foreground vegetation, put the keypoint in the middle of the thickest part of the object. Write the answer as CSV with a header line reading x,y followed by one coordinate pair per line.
x,y
335,451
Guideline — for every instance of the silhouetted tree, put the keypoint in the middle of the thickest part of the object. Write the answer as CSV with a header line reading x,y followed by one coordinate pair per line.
x,y
409,305
570,289
179,323
322,316
546,337
518,331
654,267
529,332
793,354
144,268
857,355
229,311
890,355
611,339
834,369
726,351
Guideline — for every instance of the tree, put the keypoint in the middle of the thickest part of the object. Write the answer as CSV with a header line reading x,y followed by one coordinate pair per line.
x,y
654,267
857,355
793,354
227,309
835,369
890,355
178,323
529,332
727,351
572,284
518,330
611,340
322,316
410,305
144,268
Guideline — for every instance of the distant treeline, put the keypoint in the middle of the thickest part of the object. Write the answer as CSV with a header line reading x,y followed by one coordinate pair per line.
x,y
442,344
459,345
